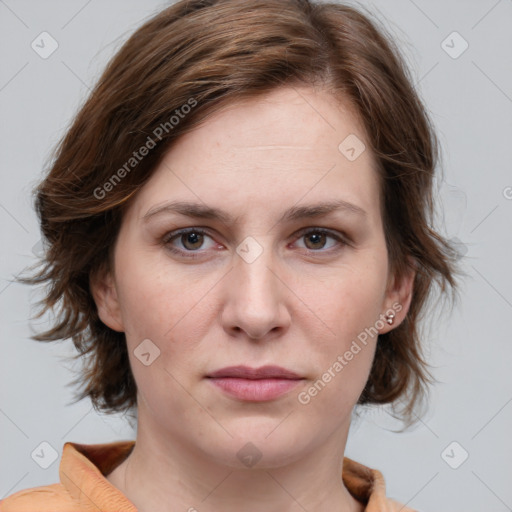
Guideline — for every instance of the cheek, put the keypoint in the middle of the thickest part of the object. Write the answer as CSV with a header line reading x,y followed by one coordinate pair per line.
x,y
163,304
165,309
144,291
350,309
349,303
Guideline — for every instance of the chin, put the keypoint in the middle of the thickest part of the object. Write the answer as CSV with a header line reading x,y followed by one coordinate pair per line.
x,y
259,444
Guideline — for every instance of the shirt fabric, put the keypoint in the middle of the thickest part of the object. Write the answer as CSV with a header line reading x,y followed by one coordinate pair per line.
x,y
84,488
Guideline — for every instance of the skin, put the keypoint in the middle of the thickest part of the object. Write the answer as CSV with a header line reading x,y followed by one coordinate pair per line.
x,y
299,304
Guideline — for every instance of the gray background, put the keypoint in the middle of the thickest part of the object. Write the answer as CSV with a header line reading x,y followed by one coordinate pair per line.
x,y
470,100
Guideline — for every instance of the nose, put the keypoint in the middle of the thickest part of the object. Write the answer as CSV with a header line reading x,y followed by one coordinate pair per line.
x,y
255,298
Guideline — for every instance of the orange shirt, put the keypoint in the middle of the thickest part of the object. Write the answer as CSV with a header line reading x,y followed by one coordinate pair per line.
x,y
84,488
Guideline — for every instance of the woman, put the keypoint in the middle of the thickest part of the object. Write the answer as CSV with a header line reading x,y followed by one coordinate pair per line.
x,y
239,242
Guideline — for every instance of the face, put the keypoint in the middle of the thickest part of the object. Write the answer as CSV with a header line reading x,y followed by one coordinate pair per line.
x,y
263,285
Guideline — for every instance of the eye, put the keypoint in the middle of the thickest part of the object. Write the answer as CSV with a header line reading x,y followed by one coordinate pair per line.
x,y
316,238
191,240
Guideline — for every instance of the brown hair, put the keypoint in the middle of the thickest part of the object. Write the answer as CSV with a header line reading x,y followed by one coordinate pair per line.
x,y
181,66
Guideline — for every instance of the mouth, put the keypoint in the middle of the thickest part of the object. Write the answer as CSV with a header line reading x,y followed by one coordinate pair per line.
x,y
255,384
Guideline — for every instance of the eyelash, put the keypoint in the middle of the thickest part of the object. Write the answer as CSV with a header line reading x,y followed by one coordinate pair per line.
x,y
169,237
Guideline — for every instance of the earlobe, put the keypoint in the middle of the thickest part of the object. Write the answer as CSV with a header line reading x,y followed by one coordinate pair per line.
x,y
398,300
105,296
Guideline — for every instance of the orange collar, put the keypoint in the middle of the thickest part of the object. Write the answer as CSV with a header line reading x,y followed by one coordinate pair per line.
x,y
82,469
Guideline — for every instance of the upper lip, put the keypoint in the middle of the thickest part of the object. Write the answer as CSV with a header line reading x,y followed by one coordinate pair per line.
x,y
245,372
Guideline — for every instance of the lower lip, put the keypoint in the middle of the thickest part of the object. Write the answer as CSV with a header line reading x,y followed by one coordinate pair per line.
x,y
255,390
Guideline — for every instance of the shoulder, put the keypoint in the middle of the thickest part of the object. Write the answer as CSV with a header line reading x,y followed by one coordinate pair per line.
x,y
47,498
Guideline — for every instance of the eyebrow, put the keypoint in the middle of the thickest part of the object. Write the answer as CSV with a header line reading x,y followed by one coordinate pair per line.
x,y
202,211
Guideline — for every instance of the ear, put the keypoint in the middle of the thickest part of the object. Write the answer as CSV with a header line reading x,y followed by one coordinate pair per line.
x,y
104,292
398,298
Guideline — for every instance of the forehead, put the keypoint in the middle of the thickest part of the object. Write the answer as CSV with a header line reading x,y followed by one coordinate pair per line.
x,y
291,145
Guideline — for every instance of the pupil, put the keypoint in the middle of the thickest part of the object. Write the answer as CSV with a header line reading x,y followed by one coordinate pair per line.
x,y
316,238
193,238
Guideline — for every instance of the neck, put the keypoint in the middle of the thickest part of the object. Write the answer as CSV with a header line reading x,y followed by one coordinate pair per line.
x,y
168,476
